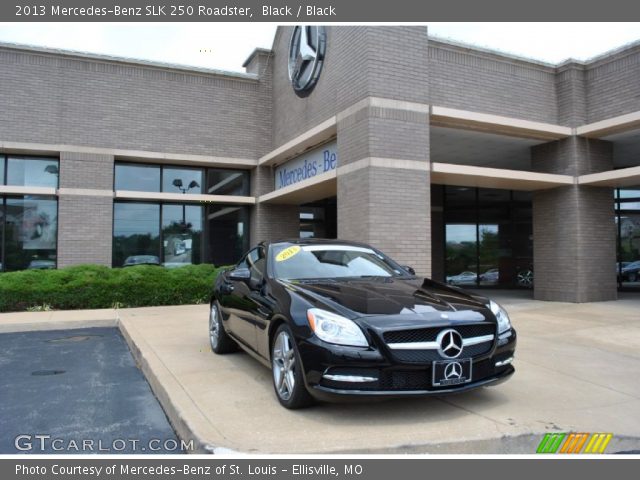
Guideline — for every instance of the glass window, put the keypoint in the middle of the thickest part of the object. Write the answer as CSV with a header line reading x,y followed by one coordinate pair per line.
x,y
257,263
2,160
181,180
140,178
32,172
489,251
227,182
181,234
228,233
31,231
462,254
136,234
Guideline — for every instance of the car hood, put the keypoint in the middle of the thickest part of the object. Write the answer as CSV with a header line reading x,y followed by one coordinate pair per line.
x,y
380,297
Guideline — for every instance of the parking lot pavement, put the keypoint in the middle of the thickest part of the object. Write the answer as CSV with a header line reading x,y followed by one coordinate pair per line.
x,y
81,387
576,371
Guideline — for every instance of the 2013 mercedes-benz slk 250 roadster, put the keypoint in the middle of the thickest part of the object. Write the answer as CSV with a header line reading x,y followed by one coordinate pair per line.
x,y
336,320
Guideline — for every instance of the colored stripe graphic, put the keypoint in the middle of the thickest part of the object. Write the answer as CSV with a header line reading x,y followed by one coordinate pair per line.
x,y
574,442
570,443
550,442
598,443
580,443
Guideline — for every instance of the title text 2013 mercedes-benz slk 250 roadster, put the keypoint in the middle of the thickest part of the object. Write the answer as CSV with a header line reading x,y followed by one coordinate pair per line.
x,y
336,319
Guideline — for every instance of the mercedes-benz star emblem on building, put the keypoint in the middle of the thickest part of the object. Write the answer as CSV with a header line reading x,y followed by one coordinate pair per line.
x,y
306,56
453,371
450,343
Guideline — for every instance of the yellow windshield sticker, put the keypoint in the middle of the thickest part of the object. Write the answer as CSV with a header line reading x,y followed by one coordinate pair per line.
x,y
287,253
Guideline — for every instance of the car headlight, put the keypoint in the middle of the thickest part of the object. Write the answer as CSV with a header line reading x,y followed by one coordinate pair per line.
x,y
333,328
504,323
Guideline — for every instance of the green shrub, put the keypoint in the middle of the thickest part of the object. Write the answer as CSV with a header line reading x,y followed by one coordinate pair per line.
x,y
94,286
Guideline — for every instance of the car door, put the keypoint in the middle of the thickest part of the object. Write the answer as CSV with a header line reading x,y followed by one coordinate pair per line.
x,y
238,305
261,307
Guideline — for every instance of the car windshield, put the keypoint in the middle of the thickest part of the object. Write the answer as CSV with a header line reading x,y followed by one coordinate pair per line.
x,y
302,262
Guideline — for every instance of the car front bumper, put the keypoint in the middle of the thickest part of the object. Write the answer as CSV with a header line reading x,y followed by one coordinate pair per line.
x,y
335,373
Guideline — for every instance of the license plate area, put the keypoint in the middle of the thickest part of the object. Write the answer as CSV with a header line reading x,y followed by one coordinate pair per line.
x,y
451,372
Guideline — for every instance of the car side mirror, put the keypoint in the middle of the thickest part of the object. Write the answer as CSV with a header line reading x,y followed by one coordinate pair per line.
x,y
240,275
409,269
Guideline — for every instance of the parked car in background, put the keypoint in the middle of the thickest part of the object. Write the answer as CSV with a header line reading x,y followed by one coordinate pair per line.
x,y
630,273
336,320
464,278
525,278
42,265
491,277
141,260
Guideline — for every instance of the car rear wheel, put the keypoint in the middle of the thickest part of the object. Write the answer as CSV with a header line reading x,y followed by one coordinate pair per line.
x,y
286,367
218,338
633,277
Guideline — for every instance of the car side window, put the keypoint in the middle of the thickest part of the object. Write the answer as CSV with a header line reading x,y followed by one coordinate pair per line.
x,y
256,261
243,263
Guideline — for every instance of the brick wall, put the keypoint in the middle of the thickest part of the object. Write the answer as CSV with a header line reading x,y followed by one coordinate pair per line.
x,y
85,222
484,82
84,230
612,85
60,99
361,61
85,170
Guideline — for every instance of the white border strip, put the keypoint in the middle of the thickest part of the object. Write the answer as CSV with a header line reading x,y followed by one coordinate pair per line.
x,y
467,175
141,155
16,190
610,126
186,197
85,192
625,177
384,163
489,120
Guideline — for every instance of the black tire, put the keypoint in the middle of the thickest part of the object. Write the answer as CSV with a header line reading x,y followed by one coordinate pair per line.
x,y
218,339
286,364
633,277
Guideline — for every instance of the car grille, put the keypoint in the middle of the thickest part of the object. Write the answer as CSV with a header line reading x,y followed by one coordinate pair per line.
x,y
430,335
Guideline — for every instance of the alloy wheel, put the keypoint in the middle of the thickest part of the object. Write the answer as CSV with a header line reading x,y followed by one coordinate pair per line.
x,y
214,327
284,365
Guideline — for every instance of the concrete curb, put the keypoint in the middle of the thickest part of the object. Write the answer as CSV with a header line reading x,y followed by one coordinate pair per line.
x,y
57,320
160,379
182,412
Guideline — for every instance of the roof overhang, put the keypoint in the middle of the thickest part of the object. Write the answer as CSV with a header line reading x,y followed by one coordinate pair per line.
x,y
468,176
625,177
465,119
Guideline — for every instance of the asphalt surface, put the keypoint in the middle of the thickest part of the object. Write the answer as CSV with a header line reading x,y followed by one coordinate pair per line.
x,y
81,388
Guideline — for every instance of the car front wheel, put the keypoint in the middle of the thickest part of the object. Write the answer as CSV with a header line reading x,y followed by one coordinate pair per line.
x,y
286,367
218,338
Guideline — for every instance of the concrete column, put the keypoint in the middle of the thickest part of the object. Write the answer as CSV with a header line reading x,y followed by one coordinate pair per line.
x,y
384,194
383,142
85,209
268,221
574,236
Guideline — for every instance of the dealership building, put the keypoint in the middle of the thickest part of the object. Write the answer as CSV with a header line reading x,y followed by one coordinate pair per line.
x,y
472,166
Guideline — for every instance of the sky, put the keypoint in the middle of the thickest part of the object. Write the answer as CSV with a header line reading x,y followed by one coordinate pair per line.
x,y
225,46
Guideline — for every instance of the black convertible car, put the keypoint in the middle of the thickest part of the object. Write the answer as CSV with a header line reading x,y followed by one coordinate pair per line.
x,y
336,319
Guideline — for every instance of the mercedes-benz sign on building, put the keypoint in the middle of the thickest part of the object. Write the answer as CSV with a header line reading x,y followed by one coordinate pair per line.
x,y
474,167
